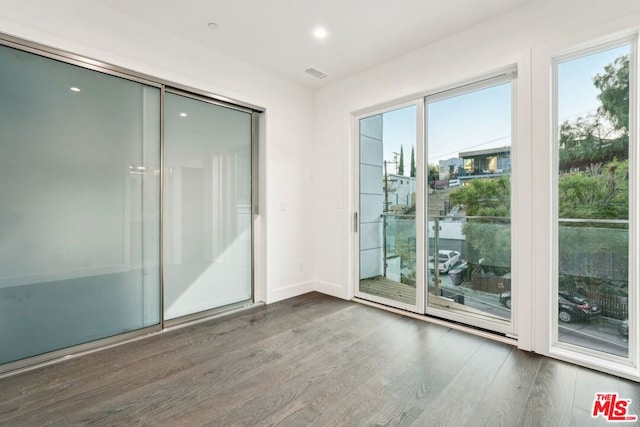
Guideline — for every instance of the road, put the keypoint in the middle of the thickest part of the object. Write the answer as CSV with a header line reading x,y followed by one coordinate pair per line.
x,y
600,334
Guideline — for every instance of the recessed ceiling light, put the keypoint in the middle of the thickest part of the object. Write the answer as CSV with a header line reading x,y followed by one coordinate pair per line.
x,y
320,33
213,26
183,114
74,89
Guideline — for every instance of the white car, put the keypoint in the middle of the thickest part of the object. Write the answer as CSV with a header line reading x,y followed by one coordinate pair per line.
x,y
446,260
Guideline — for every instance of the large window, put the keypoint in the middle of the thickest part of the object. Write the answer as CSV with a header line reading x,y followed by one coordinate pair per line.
x,y
79,205
594,166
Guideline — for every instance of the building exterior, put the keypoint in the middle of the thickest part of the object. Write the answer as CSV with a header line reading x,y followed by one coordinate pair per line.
x,y
450,168
491,161
401,191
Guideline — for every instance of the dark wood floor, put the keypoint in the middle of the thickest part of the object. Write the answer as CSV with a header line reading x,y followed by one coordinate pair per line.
x,y
312,360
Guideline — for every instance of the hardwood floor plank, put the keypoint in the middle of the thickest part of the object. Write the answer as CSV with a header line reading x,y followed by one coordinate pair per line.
x,y
401,391
462,394
131,357
111,369
630,390
272,359
271,390
550,401
588,383
358,363
503,401
313,360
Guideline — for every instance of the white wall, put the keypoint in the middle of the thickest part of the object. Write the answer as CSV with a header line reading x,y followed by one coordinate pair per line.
x,y
88,29
308,233
502,41
371,197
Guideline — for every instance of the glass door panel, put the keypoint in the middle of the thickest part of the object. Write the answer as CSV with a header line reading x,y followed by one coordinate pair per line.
x,y
469,204
207,206
387,208
592,117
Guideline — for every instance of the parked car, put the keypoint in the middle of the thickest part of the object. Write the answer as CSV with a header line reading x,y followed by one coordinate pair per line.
x,y
624,328
505,299
576,307
454,182
458,273
446,260
571,306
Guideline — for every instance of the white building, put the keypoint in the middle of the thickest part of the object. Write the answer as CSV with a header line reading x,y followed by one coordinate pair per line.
x,y
401,191
450,167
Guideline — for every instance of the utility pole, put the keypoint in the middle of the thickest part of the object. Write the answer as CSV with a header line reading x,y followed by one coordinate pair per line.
x,y
436,257
384,215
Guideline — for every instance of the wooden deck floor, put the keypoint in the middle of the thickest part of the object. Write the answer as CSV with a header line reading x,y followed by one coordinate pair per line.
x,y
389,289
310,361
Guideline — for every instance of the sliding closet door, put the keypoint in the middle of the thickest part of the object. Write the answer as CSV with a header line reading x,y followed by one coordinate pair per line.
x,y
207,232
79,205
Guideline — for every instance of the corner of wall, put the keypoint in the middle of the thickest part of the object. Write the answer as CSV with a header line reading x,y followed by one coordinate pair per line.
x,y
279,294
332,289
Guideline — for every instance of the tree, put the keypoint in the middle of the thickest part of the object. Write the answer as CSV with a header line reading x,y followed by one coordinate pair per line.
x,y
487,238
614,92
434,172
590,140
412,171
600,192
401,163
604,136
485,197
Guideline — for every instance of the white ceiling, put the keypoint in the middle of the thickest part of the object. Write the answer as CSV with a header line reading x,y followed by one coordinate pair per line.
x,y
277,34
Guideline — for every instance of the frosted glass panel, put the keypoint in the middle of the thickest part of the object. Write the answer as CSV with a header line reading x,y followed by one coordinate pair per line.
x,y
79,205
207,219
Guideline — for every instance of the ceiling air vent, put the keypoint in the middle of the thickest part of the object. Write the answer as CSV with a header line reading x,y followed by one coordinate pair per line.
x,y
315,73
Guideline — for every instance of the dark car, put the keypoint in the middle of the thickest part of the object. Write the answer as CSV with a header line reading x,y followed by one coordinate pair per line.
x,y
576,307
571,307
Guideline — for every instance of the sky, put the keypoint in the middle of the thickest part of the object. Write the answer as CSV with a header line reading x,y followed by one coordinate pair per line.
x,y
577,96
482,119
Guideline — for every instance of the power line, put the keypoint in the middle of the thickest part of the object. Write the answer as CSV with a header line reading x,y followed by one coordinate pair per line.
x,y
472,146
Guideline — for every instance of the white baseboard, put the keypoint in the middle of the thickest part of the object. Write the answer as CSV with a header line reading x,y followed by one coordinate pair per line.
x,y
333,289
290,291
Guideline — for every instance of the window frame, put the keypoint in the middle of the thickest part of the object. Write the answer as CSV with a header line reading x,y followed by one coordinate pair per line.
x,y
545,160
509,74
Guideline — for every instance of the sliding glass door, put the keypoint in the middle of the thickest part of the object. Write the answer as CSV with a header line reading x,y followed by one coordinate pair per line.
x,y
469,203
207,205
388,238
